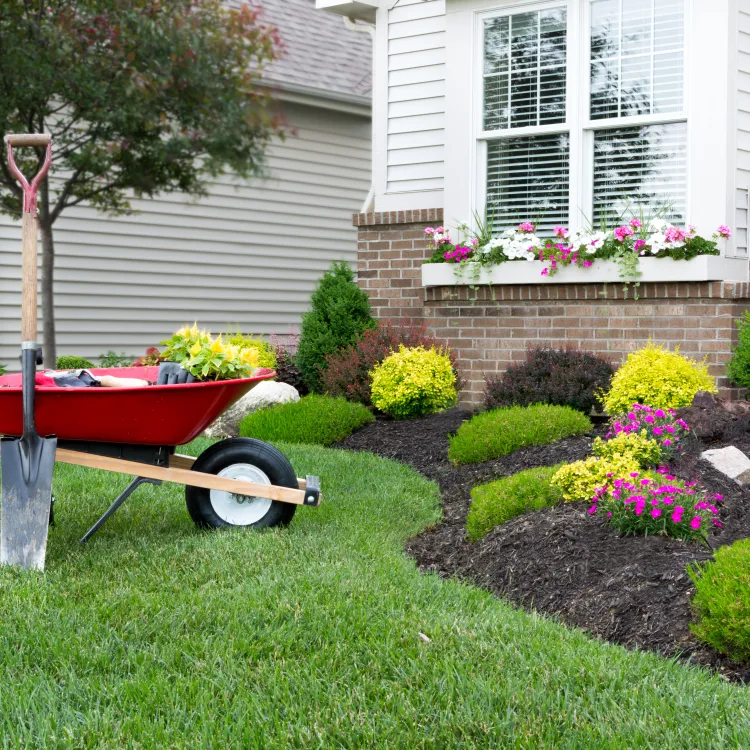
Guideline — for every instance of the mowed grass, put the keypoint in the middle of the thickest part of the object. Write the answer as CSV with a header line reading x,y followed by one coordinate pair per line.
x,y
156,635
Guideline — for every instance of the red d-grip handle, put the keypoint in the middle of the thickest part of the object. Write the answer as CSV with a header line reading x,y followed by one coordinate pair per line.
x,y
29,188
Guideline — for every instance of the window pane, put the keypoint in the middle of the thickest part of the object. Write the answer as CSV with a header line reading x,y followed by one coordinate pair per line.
x,y
645,166
527,180
637,64
524,69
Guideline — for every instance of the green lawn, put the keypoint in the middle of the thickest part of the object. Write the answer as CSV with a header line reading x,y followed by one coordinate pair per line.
x,y
156,635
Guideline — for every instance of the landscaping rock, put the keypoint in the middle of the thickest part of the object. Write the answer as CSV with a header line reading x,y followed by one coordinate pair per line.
x,y
730,461
265,394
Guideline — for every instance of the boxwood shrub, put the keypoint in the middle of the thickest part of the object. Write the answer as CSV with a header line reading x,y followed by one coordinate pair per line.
x,y
502,431
315,420
722,600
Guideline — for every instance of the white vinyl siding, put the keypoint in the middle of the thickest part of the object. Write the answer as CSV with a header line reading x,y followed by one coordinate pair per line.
x,y
742,192
416,96
246,256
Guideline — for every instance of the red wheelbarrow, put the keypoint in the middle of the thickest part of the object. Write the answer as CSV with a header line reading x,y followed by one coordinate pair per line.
x,y
135,431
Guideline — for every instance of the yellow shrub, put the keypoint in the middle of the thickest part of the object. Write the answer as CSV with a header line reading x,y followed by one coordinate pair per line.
x,y
266,354
645,451
413,382
580,480
658,378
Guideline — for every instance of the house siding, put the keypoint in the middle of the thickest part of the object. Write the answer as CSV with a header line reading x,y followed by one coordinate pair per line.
x,y
416,96
248,255
742,191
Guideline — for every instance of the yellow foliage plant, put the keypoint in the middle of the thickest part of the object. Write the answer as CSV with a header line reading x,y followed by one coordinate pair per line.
x,y
657,377
644,450
413,382
581,479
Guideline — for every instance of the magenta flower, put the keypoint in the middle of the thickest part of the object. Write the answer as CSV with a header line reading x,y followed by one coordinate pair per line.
x,y
588,263
525,226
545,272
657,430
634,474
695,524
718,497
655,512
639,245
677,513
649,418
622,232
592,510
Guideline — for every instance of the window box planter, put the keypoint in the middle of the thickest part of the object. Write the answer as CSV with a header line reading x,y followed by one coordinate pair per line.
x,y
702,268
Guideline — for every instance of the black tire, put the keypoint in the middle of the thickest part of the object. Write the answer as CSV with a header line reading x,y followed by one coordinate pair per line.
x,y
272,462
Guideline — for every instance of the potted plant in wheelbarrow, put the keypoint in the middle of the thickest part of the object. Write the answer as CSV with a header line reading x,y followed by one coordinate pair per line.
x,y
134,429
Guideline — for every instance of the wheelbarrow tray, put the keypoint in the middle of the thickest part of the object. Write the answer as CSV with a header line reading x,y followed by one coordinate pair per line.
x,y
156,415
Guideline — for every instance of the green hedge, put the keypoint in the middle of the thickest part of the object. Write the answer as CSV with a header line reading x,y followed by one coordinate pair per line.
x,y
315,420
495,503
73,363
502,431
722,600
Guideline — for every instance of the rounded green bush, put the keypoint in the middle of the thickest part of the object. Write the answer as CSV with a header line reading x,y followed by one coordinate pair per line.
x,y
497,502
644,450
722,600
501,431
315,420
413,382
657,377
73,363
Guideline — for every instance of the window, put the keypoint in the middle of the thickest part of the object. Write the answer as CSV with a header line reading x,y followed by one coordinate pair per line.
x,y
547,158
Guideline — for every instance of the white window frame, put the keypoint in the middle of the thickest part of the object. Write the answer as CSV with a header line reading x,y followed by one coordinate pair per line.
x,y
578,123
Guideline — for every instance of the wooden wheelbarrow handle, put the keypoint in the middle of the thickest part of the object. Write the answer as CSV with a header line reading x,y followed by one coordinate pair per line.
x,y
29,229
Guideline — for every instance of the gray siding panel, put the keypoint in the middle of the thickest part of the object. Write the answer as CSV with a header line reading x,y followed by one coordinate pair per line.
x,y
246,256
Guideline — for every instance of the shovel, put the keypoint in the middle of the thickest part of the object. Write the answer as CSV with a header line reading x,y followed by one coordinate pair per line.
x,y
28,461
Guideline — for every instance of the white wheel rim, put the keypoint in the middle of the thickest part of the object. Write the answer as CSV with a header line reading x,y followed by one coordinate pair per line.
x,y
238,510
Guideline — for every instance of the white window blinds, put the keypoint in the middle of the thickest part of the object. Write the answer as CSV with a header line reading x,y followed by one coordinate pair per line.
x,y
524,69
637,57
527,180
640,168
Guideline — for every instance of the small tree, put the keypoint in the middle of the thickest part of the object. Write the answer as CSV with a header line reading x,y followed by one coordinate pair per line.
x,y
146,96
340,312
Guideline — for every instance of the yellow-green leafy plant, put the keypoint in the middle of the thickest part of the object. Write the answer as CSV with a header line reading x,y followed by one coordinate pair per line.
x,y
581,479
657,377
645,451
413,382
207,358
266,354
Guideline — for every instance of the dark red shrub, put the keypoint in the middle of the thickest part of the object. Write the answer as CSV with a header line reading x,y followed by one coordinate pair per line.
x,y
564,377
286,362
347,371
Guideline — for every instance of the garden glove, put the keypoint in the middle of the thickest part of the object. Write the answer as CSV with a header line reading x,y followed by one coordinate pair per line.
x,y
173,373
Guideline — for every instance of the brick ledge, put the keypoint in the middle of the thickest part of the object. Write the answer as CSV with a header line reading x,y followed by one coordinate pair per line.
x,y
384,218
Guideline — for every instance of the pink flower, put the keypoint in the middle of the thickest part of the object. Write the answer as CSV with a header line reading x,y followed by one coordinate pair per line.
x,y
588,263
718,523
429,230
718,497
724,231
636,223
440,229
657,430
639,244
677,514
696,523
655,512
622,232
525,226
667,442
609,515
649,418
660,413
560,232
592,510
475,241
545,272
634,474
673,234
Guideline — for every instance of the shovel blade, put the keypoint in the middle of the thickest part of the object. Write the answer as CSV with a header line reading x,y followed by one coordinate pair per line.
x,y
27,465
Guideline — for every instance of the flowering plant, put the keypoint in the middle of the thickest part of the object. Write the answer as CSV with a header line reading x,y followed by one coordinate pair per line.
x,y
561,252
657,503
658,425
210,359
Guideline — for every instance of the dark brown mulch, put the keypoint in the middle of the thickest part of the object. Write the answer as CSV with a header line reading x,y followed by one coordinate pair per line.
x,y
629,590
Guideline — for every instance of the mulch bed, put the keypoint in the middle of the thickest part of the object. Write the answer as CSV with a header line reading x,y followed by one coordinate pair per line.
x,y
629,590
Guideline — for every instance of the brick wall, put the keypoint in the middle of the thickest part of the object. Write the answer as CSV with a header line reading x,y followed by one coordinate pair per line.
x,y
490,327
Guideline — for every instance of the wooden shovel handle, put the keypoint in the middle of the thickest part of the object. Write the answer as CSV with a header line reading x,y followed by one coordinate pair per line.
x,y
33,139
29,279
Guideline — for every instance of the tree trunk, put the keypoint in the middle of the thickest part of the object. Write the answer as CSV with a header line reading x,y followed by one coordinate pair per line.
x,y
48,292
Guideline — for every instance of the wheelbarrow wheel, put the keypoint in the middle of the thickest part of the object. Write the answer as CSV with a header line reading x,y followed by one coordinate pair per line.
x,y
252,461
